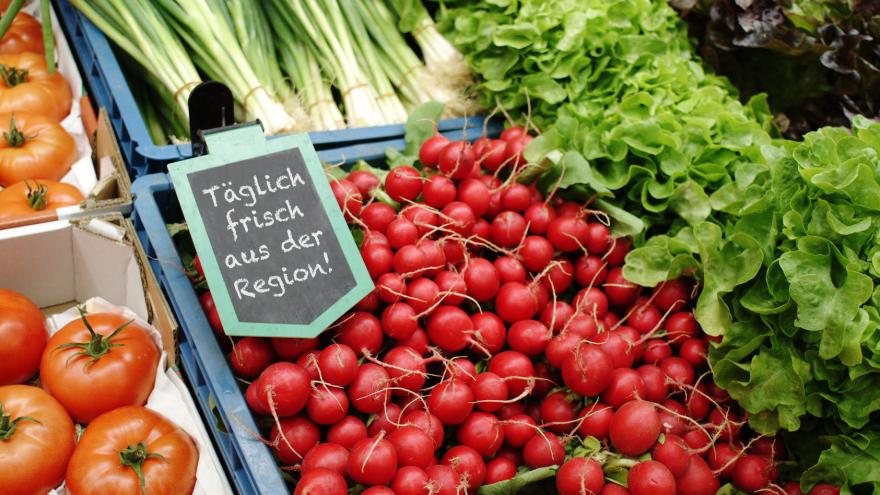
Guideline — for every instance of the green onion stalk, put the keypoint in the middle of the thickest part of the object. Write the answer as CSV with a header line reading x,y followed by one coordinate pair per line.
x,y
301,65
138,28
323,27
389,103
216,51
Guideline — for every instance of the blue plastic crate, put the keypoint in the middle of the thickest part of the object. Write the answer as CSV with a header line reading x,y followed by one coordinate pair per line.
x,y
252,468
109,89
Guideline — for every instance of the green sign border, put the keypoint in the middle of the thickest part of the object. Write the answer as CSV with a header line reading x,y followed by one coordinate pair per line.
x,y
242,143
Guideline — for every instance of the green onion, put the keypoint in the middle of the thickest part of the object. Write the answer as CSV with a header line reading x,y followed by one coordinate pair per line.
x,y
300,63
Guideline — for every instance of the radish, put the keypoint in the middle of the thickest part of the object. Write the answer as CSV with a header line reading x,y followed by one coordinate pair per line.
x,y
511,454
449,328
369,303
650,478
423,217
617,347
620,291
467,464
328,456
655,382
560,348
414,447
535,252
482,279
753,473
510,269
679,371
612,489
519,429
626,384
515,368
529,337
794,488
418,342
482,432
490,391
544,449
508,229
493,155
460,369
697,480
567,234
681,326
673,453
291,348
460,217
365,181
443,480
513,152
372,461
591,301
296,436
347,431
645,318
373,237
435,257
556,316
250,356
452,287
594,420
694,351
348,197
429,151
453,249
580,476
403,183
378,490
309,362
362,332
767,446
672,295
721,458
698,439
411,480
825,489
439,191
410,261
516,197
475,194
481,230
656,351
451,401
538,216
583,326
321,481
428,423
369,391
620,247
513,133
560,276
590,271
253,401
587,371
456,160
728,422
489,333
598,238
698,402
399,320
515,302
558,411
422,293
634,427
283,388
671,417
338,364
378,259
406,369
387,420
499,469
327,405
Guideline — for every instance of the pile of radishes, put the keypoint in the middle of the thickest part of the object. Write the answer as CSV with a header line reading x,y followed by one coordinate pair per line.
x,y
501,340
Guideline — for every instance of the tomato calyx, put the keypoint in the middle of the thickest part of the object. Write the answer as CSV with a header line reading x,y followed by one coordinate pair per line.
x,y
134,457
8,425
36,196
13,76
15,137
97,346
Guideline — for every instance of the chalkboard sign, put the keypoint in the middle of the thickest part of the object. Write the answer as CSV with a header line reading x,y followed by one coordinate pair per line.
x,y
274,245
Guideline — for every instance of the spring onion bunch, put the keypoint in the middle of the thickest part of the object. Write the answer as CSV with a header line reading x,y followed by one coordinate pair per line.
x,y
301,64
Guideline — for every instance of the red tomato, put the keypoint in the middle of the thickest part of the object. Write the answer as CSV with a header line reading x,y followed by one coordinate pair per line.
x,y
23,335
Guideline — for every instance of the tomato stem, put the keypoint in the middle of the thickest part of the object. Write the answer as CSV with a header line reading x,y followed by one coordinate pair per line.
x,y
36,195
13,76
97,346
7,424
15,137
134,457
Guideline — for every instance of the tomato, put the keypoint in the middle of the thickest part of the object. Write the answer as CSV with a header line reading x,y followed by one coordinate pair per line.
x,y
97,363
23,334
27,86
122,442
25,34
33,147
29,197
36,440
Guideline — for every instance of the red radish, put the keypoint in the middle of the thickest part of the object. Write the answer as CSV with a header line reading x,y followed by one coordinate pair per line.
x,y
443,480
515,302
619,249
618,346
794,488
591,301
560,276
467,464
538,216
429,151
482,279
694,351
492,157
414,447
390,287
508,229
511,409
681,326
587,371
378,490
362,332
435,258
535,252
250,356
567,233
515,368
697,480
449,328
645,318
513,133
411,480
634,427
401,232
428,423
767,446
365,181
253,402
499,469
546,379
655,382
698,439
327,405
584,326
452,287
672,295
536,196
558,411
590,271
292,348
309,362
544,449
348,431
454,250
321,481
620,291
598,238
560,348
482,432
369,303
753,473
348,196
410,261
489,391
476,194
373,237
387,420
296,437
595,419
698,402
825,489
328,456
372,461
722,459
727,420
580,476
403,183
284,388
456,160
516,197
461,369
369,391
489,333
656,351
626,384
671,417
439,191
650,478
378,259
424,218
529,337
481,229
406,369
418,342
451,401
519,429
511,454
338,364
673,453
679,371
556,315
514,151
479,146
399,320
459,217
612,489
568,208
510,269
